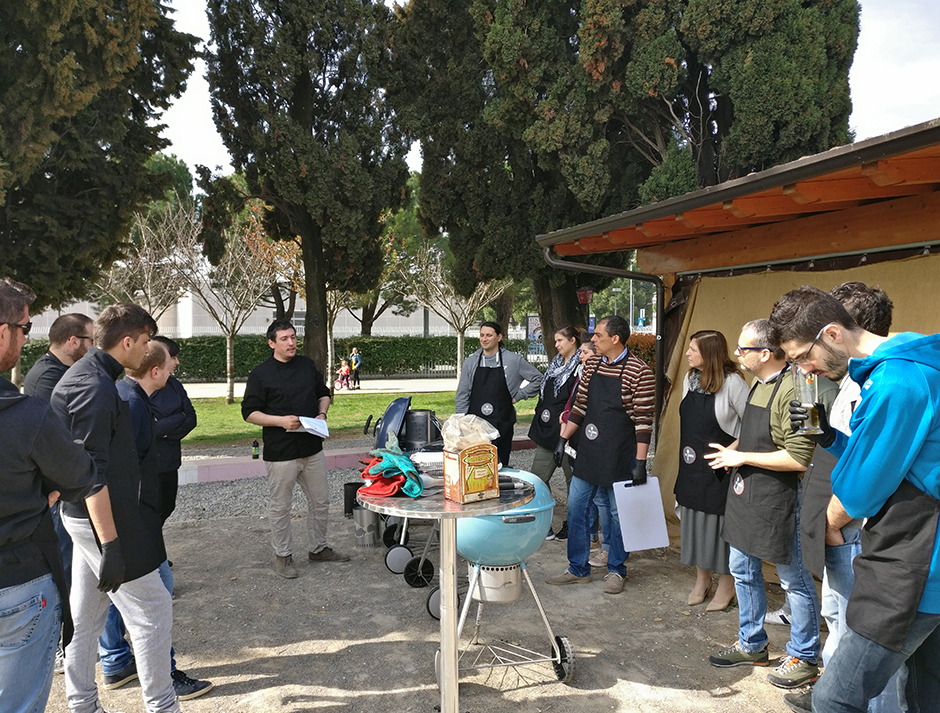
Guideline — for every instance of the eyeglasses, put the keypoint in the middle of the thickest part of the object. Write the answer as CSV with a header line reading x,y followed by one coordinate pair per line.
x,y
82,336
25,327
804,359
740,350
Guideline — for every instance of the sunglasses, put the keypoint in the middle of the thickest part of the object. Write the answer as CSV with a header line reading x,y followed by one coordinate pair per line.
x,y
25,327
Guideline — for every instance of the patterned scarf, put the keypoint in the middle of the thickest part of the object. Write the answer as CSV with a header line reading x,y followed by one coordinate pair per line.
x,y
560,371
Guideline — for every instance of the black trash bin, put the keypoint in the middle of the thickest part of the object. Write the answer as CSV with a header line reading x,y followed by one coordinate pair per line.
x,y
349,496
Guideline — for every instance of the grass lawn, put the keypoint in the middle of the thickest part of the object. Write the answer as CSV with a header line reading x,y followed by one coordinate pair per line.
x,y
222,424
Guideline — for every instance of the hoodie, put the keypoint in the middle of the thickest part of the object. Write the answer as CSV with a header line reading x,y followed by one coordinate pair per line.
x,y
895,435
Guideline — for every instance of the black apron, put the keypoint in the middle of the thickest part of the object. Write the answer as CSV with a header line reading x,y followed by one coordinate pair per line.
x,y
891,572
698,486
490,400
817,492
607,446
760,513
546,428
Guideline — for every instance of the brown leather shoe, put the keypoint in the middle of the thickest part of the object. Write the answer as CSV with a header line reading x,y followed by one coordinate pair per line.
x,y
284,566
327,554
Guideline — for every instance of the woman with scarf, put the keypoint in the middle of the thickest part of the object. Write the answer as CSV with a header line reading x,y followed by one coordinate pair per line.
x,y
556,388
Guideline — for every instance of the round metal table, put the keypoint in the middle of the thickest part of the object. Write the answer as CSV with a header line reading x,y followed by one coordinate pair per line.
x,y
436,507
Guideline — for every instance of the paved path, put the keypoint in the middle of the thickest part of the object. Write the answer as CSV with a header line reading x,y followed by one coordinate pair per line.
x,y
375,386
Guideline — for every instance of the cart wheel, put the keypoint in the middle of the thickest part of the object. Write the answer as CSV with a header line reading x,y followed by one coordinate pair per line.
x,y
433,602
564,668
392,536
397,557
437,668
418,575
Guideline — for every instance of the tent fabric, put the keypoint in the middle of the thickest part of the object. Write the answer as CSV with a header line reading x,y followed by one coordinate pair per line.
x,y
726,303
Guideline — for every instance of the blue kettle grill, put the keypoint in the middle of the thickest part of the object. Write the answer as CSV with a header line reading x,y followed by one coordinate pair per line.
x,y
496,547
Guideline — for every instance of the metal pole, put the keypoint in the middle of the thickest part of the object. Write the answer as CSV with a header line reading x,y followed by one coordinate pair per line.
x,y
631,304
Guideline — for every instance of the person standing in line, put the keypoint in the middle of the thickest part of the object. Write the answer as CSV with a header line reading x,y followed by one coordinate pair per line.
x,y
887,472
614,405
491,382
829,553
278,392
555,390
38,464
137,388
762,515
69,338
118,545
714,396
175,418
355,362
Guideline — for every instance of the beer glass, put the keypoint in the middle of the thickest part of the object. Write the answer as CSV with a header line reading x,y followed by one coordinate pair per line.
x,y
805,390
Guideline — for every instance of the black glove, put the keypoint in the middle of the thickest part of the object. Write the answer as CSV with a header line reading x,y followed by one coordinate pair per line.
x,y
111,569
639,472
559,451
799,414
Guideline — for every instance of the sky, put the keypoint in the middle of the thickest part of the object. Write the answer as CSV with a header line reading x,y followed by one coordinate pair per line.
x,y
893,79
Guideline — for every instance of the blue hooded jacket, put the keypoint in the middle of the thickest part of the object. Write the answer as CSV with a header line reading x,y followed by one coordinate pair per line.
x,y
895,435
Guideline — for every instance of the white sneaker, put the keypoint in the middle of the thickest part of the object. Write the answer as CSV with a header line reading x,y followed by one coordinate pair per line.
x,y
598,559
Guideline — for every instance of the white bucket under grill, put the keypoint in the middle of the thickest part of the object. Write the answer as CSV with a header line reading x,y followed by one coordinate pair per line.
x,y
497,584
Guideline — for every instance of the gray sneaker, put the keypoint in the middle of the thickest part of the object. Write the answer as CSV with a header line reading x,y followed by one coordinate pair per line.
x,y
327,554
59,660
734,655
793,673
284,566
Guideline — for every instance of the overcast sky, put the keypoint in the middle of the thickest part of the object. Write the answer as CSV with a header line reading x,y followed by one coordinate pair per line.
x,y
893,79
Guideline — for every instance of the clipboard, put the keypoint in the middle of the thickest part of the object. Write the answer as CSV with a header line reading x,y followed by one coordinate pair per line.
x,y
642,518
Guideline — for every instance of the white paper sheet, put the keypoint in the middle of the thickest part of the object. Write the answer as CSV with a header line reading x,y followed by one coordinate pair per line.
x,y
316,426
642,518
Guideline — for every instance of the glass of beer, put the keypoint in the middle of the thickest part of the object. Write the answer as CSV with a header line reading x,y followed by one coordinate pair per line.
x,y
805,390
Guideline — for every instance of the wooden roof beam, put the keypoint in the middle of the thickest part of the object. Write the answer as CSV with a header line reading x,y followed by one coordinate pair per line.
x,y
847,189
765,206
899,222
908,171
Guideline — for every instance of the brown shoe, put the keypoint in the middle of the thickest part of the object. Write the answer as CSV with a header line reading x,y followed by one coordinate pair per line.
x,y
567,578
327,554
613,583
284,566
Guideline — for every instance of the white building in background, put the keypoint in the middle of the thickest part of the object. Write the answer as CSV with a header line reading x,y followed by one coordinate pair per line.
x,y
187,318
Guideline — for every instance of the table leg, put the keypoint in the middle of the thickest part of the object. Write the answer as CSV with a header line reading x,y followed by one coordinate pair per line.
x,y
448,578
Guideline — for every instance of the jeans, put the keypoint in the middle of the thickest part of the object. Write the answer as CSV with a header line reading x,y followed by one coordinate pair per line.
x,y
30,617
310,474
582,499
838,581
798,584
113,649
147,609
860,669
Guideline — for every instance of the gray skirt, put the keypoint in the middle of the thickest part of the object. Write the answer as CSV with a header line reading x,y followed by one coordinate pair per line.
x,y
701,540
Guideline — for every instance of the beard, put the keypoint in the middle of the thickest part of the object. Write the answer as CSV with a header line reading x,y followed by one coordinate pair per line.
x,y
9,356
835,362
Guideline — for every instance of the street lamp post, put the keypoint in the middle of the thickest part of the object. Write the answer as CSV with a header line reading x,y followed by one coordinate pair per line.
x,y
616,291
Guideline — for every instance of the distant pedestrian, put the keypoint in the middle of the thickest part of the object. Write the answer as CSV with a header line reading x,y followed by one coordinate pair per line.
x,y
279,391
355,366
38,463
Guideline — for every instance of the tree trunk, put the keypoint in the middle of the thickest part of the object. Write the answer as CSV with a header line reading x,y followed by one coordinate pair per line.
x,y
230,368
329,356
503,308
368,314
315,341
460,346
558,307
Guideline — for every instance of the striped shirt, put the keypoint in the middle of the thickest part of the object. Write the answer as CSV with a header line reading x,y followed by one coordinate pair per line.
x,y
637,387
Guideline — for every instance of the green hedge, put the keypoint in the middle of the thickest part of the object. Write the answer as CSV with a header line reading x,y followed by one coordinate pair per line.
x,y
203,358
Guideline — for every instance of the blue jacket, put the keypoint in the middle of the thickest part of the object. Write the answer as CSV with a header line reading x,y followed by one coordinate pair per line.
x,y
895,435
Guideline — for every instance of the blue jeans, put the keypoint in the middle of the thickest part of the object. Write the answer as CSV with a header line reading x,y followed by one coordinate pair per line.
x,y
582,498
113,648
30,617
860,669
798,584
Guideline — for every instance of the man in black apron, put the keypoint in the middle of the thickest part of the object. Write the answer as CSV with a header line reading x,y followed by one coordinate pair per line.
x,y
491,382
39,461
830,539
613,409
762,515
887,472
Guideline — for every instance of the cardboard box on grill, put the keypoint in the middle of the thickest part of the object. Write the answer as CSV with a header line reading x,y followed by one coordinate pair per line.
x,y
471,474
